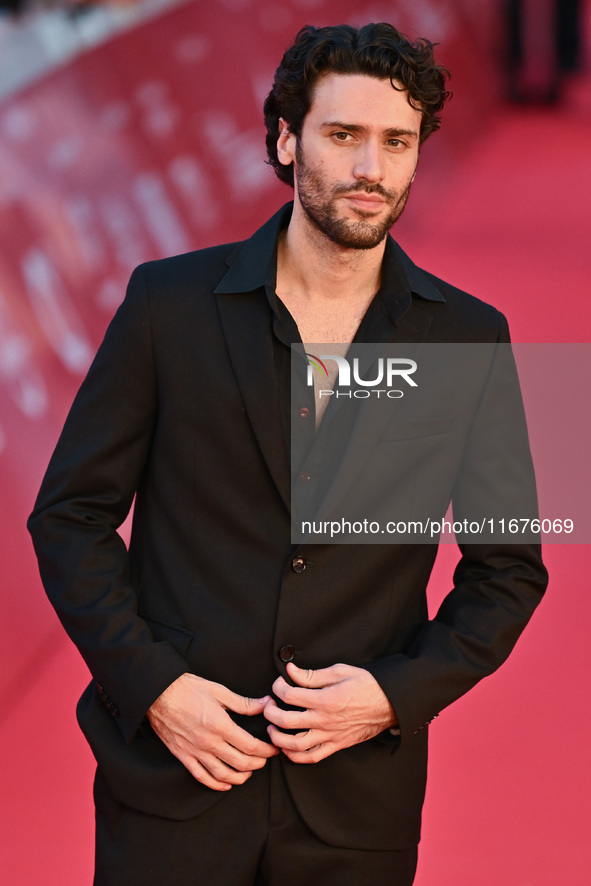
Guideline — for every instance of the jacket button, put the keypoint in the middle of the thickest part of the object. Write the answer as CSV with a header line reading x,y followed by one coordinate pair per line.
x,y
306,476
287,653
304,412
298,564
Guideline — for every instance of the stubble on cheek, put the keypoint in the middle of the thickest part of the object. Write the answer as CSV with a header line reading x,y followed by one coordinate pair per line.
x,y
321,205
320,202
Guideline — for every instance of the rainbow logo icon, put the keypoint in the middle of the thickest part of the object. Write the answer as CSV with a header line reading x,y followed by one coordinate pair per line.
x,y
317,363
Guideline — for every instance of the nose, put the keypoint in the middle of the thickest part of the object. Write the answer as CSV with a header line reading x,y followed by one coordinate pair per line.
x,y
369,162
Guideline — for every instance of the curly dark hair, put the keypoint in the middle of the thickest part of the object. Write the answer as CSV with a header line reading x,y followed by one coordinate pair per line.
x,y
378,50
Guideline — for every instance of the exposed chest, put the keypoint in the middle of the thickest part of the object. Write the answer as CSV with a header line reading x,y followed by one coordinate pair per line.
x,y
336,328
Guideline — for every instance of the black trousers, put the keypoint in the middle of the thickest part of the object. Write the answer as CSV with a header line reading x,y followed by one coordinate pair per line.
x,y
252,837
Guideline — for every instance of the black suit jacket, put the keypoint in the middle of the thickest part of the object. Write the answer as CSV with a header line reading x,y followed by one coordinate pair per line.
x,y
180,409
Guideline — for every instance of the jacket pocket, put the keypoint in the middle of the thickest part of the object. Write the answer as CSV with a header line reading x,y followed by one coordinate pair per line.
x,y
411,430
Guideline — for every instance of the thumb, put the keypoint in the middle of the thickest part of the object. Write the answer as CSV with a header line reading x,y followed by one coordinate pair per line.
x,y
242,704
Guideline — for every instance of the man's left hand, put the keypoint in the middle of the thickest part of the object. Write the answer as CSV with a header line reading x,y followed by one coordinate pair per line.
x,y
344,706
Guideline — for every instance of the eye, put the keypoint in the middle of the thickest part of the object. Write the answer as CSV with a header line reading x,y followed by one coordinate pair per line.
x,y
396,143
342,136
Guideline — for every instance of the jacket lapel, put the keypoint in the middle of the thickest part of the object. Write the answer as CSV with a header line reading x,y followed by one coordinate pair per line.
x,y
246,321
247,327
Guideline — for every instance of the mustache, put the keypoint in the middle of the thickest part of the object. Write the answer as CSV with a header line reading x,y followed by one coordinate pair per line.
x,y
366,188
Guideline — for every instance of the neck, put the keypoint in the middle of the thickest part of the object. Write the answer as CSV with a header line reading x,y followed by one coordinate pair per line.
x,y
321,271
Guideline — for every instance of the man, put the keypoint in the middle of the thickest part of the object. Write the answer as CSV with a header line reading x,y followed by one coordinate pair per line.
x,y
258,708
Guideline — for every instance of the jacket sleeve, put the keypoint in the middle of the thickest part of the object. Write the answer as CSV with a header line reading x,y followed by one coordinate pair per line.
x,y
500,577
85,496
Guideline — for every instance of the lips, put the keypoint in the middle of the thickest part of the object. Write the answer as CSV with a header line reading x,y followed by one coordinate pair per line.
x,y
366,201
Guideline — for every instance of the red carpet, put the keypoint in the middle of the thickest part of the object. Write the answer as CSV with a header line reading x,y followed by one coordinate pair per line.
x,y
510,783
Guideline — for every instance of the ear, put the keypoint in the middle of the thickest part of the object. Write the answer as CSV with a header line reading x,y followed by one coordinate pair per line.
x,y
285,143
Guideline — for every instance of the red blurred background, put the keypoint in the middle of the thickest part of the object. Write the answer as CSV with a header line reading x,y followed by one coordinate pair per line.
x,y
152,143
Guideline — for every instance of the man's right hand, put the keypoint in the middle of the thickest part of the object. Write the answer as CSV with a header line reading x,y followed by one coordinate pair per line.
x,y
191,718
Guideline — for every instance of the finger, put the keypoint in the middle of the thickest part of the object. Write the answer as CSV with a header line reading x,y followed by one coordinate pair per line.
x,y
290,719
229,759
242,762
221,772
314,755
314,679
241,704
201,774
246,743
296,695
301,741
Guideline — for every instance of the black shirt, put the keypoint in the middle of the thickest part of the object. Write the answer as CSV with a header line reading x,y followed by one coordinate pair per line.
x,y
310,465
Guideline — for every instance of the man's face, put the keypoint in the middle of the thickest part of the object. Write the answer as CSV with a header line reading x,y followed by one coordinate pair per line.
x,y
355,159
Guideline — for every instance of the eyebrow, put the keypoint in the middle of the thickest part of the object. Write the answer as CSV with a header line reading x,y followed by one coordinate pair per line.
x,y
392,132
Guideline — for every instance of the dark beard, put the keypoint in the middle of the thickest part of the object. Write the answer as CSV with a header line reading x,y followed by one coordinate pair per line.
x,y
320,208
